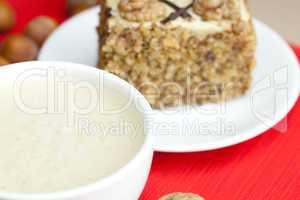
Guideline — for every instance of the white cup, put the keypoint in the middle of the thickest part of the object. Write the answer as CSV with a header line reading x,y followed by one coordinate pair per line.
x,y
126,183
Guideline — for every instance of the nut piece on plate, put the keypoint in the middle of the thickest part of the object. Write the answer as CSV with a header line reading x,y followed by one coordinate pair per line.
x,y
19,48
3,61
40,28
76,6
7,16
141,10
181,196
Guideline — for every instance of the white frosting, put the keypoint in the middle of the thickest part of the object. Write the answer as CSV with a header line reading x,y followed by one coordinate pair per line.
x,y
245,15
195,24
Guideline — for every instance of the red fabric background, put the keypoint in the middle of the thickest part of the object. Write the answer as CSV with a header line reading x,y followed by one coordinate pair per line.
x,y
267,167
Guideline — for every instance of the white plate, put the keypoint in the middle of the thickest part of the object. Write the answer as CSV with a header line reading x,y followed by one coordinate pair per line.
x,y
275,90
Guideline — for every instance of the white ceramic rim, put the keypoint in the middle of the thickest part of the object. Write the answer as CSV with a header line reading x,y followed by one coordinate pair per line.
x,y
148,142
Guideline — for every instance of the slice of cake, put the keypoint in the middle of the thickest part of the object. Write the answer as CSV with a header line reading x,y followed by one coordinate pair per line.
x,y
179,52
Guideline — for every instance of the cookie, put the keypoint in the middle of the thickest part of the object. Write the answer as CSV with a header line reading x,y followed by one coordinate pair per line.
x,y
181,196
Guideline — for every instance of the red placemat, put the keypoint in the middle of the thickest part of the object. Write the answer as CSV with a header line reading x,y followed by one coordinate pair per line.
x,y
267,167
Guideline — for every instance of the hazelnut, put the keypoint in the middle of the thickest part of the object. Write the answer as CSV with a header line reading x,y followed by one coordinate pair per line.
x,y
40,28
19,48
3,61
7,17
76,6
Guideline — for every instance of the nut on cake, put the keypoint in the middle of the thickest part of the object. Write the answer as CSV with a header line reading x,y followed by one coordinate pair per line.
x,y
179,52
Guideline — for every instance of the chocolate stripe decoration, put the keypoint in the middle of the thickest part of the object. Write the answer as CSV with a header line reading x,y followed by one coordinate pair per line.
x,y
179,12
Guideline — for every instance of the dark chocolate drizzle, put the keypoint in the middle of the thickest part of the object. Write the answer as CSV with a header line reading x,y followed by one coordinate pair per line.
x,y
179,12
108,10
